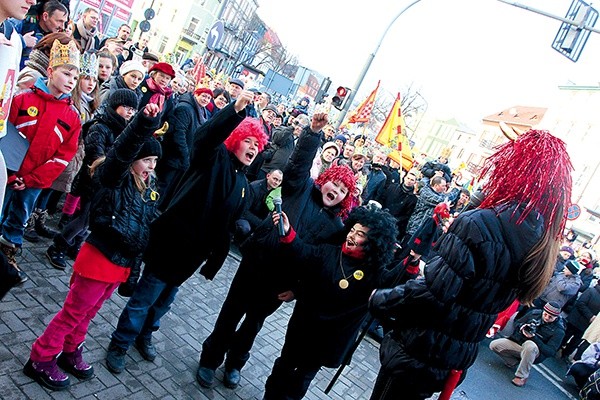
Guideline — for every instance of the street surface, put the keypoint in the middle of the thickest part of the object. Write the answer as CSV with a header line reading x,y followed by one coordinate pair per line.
x,y
26,310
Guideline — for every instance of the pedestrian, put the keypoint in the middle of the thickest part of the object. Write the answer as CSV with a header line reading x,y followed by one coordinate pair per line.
x,y
131,75
503,250
210,197
123,209
336,282
265,279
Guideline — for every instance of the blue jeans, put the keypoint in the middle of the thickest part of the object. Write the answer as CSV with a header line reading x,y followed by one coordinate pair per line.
x,y
18,205
151,300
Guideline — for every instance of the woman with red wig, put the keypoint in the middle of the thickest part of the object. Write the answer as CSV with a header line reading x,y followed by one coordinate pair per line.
x,y
503,250
209,198
266,277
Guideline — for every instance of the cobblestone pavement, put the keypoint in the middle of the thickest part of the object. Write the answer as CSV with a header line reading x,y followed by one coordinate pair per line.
x,y
26,310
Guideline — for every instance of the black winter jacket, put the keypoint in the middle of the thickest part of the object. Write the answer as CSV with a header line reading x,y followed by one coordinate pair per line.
x,y
548,336
440,320
431,167
209,198
120,215
184,121
586,306
98,140
257,209
282,146
400,202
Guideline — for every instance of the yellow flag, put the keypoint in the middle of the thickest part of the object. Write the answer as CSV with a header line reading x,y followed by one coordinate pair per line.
x,y
363,112
393,135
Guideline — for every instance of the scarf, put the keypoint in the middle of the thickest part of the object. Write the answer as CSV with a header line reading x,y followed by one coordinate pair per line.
x,y
87,36
360,254
38,61
159,95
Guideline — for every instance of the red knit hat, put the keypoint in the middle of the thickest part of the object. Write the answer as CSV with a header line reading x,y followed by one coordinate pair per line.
x,y
201,90
163,67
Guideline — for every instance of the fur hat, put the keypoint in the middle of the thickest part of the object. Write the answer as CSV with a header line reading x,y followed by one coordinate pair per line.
x,y
123,97
163,67
132,65
151,147
552,308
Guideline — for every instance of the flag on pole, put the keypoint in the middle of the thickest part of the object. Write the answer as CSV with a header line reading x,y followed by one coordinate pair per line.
x,y
363,112
393,135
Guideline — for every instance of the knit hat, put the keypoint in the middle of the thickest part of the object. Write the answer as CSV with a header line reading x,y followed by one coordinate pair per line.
x,y
573,266
201,90
163,67
151,147
342,138
568,250
123,97
552,308
236,81
132,65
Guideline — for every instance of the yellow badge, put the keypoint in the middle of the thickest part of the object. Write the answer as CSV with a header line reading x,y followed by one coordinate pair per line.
x,y
32,111
153,195
343,284
144,89
358,274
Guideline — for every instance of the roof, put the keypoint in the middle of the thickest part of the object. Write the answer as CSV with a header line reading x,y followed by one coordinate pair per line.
x,y
518,115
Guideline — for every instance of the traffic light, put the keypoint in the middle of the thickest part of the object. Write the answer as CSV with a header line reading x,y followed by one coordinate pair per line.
x,y
340,97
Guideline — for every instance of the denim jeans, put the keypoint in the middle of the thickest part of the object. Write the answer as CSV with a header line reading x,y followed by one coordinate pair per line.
x,y
18,205
151,300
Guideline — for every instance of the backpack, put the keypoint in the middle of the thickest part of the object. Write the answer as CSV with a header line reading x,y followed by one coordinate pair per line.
x,y
591,390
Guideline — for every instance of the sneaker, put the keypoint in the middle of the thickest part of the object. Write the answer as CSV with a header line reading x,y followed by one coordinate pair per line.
x,y
232,377
74,364
40,225
56,257
47,374
205,376
115,358
146,348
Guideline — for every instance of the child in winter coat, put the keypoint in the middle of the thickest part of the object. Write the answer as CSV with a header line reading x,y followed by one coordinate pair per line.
x,y
122,211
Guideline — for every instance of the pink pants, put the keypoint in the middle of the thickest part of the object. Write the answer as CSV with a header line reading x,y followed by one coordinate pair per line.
x,y
68,328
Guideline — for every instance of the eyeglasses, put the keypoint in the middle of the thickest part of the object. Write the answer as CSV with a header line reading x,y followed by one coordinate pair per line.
x,y
129,109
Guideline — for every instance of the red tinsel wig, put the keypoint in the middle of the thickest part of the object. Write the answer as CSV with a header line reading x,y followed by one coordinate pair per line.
x,y
248,127
343,174
533,171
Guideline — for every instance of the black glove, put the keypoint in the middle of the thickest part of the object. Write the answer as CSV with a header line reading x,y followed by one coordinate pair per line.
x,y
126,288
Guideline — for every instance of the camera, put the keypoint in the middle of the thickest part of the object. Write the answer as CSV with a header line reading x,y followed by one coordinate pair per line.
x,y
531,328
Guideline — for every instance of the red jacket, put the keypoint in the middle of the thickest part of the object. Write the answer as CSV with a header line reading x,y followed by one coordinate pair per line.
x,y
52,127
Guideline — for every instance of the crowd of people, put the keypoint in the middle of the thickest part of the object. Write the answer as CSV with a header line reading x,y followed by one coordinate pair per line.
x,y
148,156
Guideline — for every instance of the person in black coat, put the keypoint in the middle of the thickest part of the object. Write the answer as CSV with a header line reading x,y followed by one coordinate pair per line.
x,y
400,200
282,144
209,198
490,256
336,282
265,278
581,316
189,114
437,167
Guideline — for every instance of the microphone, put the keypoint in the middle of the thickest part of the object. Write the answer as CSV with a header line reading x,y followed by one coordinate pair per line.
x,y
277,204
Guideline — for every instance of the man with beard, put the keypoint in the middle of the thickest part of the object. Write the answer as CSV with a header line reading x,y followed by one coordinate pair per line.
x,y
375,178
210,196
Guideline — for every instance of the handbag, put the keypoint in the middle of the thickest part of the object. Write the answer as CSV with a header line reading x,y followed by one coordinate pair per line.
x,y
14,147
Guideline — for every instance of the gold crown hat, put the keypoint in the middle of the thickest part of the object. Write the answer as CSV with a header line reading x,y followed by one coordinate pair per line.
x,y
64,54
89,65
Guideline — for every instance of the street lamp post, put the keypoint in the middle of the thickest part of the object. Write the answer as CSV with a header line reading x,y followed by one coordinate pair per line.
x,y
367,65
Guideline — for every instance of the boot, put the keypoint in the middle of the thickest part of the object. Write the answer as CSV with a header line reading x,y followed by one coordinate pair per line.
x,y
30,233
232,377
47,374
146,348
115,358
205,376
40,225
56,256
74,364
10,250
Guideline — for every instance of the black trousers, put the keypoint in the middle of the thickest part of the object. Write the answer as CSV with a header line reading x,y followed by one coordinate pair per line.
x,y
291,376
246,299
581,372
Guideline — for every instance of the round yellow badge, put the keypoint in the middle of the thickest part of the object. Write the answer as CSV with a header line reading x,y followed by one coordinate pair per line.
x,y
32,111
143,89
153,195
343,283
358,274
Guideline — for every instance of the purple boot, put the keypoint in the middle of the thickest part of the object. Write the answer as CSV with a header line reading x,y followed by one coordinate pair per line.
x,y
47,374
73,363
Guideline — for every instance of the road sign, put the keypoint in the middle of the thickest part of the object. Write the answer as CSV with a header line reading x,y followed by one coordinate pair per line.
x,y
149,14
570,39
573,212
144,26
215,35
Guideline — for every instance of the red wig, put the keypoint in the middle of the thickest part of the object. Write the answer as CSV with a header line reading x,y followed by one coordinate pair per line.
x,y
533,171
343,174
249,127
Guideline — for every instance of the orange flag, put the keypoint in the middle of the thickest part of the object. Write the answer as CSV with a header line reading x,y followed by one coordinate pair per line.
x,y
393,135
363,112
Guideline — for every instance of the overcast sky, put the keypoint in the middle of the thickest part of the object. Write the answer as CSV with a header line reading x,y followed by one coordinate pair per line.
x,y
469,58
